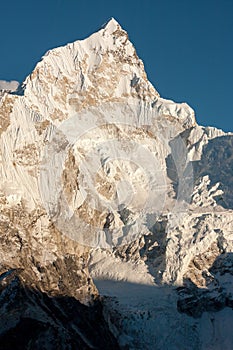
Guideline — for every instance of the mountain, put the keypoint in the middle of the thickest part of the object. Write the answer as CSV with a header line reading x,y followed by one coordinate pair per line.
x,y
116,219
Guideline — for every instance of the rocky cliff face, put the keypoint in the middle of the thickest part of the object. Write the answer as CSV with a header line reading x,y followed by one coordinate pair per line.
x,y
103,179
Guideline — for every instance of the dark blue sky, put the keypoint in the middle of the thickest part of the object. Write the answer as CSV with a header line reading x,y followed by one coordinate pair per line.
x,y
186,45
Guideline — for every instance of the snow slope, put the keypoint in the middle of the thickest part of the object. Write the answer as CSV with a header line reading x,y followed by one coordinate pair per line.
x,y
103,178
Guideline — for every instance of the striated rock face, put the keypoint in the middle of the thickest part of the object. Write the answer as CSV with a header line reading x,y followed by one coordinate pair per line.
x,y
47,260
104,180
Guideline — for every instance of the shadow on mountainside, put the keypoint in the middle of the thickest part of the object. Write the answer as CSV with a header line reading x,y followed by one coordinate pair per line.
x,y
218,293
146,317
216,161
34,320
188,299
153,251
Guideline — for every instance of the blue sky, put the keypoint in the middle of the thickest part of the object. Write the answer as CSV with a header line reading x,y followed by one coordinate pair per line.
x,y
186,45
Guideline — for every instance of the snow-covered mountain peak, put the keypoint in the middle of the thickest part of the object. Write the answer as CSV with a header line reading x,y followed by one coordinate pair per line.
x,y
112,25
103,178
99,69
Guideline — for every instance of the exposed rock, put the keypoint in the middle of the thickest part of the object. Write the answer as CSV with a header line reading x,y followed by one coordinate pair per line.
x,y
217,292
31,319
102,178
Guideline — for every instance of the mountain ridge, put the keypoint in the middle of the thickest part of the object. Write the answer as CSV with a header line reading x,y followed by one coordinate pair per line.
x,y
104,181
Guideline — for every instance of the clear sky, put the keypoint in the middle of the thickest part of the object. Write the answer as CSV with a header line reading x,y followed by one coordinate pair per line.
x,y
186,45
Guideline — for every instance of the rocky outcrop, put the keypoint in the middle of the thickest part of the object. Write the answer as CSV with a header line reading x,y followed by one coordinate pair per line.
x,y
215,294
47,259
31,319
102,178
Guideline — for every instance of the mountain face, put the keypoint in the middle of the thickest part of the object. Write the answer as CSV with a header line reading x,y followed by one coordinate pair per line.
x,y
116,221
